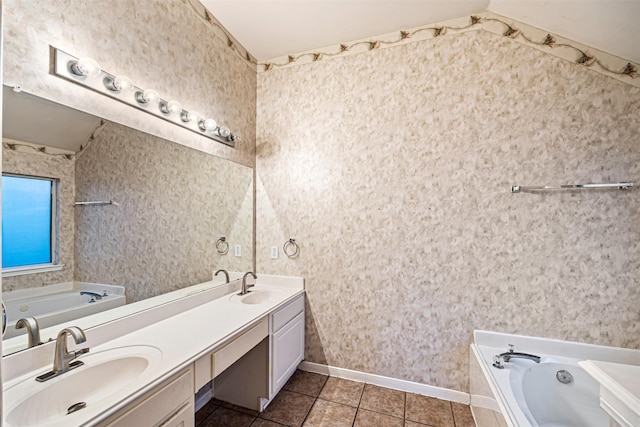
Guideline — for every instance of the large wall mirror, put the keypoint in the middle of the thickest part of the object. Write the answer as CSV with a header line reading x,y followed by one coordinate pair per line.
x,y
129,211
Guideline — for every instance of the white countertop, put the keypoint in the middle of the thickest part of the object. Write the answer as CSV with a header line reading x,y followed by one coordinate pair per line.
x,y
182,339
619,389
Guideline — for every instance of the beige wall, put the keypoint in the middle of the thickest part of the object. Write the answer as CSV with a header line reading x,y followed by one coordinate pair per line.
x,y
174,203
393,169
159,44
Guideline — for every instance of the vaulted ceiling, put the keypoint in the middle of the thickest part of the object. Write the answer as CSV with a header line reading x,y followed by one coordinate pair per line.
x,y
273,28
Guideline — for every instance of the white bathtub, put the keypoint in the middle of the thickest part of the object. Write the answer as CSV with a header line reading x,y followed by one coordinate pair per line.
x,y
526,393
59,303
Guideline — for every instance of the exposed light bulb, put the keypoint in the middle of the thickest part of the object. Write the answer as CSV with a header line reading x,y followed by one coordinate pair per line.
x,y
149,96
207,125
170,107
224,131
118,84
189,116
87,67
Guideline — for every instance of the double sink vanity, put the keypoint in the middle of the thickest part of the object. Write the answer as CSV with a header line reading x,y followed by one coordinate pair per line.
x,y
145,369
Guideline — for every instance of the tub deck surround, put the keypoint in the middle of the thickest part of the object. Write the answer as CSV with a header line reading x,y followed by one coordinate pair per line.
x,y
619,389
53,305
182,330
508,397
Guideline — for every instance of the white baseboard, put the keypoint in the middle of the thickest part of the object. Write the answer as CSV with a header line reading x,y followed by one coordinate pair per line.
x,y
402,385
485,402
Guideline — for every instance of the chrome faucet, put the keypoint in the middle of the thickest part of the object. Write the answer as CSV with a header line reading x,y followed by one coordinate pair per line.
x,y
245,287
62,359
500,359
226,274
33,330
94,294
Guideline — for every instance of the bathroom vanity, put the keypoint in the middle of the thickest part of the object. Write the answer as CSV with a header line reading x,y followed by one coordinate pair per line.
x,y
145,369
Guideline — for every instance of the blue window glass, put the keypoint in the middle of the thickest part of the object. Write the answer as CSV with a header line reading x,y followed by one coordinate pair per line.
x,y
26,221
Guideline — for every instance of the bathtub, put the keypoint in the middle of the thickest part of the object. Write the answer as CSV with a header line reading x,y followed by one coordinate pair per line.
x,y
553,393
59,303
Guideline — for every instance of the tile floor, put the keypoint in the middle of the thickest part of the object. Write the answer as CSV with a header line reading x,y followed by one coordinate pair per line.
x,y
313,400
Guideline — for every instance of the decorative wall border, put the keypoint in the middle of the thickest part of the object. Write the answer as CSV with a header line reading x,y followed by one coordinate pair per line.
x,y
222,32
577,53
546,42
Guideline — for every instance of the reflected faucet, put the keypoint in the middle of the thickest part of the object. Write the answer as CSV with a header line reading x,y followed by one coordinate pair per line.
x,y
33,330
245,287
226,274
62,359
94,294
499,359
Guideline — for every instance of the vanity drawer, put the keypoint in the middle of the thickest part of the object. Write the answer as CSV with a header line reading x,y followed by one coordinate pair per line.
x,y
286,313
223,358
159,406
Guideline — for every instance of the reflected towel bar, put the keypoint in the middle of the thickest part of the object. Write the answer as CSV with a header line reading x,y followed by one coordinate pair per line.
x,y
550,188
99,202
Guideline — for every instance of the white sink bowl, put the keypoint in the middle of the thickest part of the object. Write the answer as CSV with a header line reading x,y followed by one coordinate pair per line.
x,y
99,383
258,296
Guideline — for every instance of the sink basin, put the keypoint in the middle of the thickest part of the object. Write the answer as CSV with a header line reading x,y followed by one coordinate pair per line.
x,y
258,296
100,382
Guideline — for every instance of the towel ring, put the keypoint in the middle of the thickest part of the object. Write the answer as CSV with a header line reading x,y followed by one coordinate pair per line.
x,y
291,248
222,246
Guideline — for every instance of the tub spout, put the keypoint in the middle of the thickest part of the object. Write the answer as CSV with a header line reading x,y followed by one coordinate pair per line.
x,y
93,294
500,359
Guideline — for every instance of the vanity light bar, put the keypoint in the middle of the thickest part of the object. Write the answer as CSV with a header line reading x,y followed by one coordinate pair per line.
x,y
87,72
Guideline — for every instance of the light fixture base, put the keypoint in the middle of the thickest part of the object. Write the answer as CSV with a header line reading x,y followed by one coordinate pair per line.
x,y
63,67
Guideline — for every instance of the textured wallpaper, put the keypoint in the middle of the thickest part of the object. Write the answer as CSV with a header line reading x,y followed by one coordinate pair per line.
x,y
35,164
393,169
174,203
159,44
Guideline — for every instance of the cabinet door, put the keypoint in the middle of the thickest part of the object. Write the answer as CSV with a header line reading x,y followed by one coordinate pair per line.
x,y
287,352
184,418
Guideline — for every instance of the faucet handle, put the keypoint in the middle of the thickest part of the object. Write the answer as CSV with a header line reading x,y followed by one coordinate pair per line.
x,y
80,352
512,348
498,362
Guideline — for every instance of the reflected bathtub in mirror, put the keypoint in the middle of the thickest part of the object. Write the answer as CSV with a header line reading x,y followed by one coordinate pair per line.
x,y
173,202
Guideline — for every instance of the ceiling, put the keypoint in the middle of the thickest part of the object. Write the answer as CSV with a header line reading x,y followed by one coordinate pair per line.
x,y
273,28
32,119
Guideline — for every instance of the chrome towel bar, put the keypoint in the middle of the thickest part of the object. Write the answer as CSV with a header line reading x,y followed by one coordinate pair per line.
x,y
97,202
551,188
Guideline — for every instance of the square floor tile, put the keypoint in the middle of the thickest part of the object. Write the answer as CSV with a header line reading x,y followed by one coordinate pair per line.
x,y
223,417
462,415
330,414
259,422
206,410
374,419
288,408
428,410
384,400
342,391
239,409
306,383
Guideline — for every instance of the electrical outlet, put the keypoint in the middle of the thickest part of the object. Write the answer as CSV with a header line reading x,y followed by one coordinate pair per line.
x,y
274,252
238,250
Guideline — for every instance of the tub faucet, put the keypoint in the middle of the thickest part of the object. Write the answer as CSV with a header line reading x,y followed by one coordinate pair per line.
x,y
499,359
63,359
245,287
226,274
33,330
93,294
